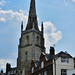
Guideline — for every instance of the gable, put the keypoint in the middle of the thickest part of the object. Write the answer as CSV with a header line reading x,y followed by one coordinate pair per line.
x,y
63,54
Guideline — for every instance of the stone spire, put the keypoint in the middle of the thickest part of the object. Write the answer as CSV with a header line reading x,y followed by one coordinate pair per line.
x,y
42,38
21,26
42,28
32,19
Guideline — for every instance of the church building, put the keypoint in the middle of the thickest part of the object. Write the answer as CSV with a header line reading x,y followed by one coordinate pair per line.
x,y
31,43
32,59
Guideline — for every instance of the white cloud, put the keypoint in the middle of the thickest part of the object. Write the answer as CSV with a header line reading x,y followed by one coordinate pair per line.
x,y
52,35
24,12
65,2
10,15
2,3
73,0
3,63
13,18
0,8
2,19
12,21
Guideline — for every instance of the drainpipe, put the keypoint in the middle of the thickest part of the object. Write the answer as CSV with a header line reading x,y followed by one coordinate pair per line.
x,y
55,65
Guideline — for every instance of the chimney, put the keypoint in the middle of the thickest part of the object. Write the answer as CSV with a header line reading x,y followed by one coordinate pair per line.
x,y
8,67
74,62
1,71
52,51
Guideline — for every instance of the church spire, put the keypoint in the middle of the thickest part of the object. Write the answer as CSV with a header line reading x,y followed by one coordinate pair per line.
x,y
32,19
21,26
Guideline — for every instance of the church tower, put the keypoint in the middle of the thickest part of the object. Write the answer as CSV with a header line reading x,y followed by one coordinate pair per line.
x,y
31,43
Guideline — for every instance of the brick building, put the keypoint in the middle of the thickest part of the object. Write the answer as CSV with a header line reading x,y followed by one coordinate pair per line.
x,y
51,64
42,67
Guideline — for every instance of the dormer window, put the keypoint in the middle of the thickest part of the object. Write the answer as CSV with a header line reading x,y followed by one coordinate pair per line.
x,y
32,69
42,64
64,60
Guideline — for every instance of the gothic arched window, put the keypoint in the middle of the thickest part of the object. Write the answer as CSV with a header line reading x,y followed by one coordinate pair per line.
x,y
27,39
38,40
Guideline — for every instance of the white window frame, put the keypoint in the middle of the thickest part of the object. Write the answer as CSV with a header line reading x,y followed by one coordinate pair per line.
x,y
9,73
45,73
63,72
32,69
12,72
64,60
42,64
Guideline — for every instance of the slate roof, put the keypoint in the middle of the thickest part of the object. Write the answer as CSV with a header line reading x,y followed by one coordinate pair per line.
x,y
12,69
63,54
60,54
49,56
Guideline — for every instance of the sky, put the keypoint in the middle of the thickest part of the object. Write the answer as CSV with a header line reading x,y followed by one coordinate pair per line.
x,y
58,17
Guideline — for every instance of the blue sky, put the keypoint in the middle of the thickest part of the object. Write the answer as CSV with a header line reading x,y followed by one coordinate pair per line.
x,y
59,22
